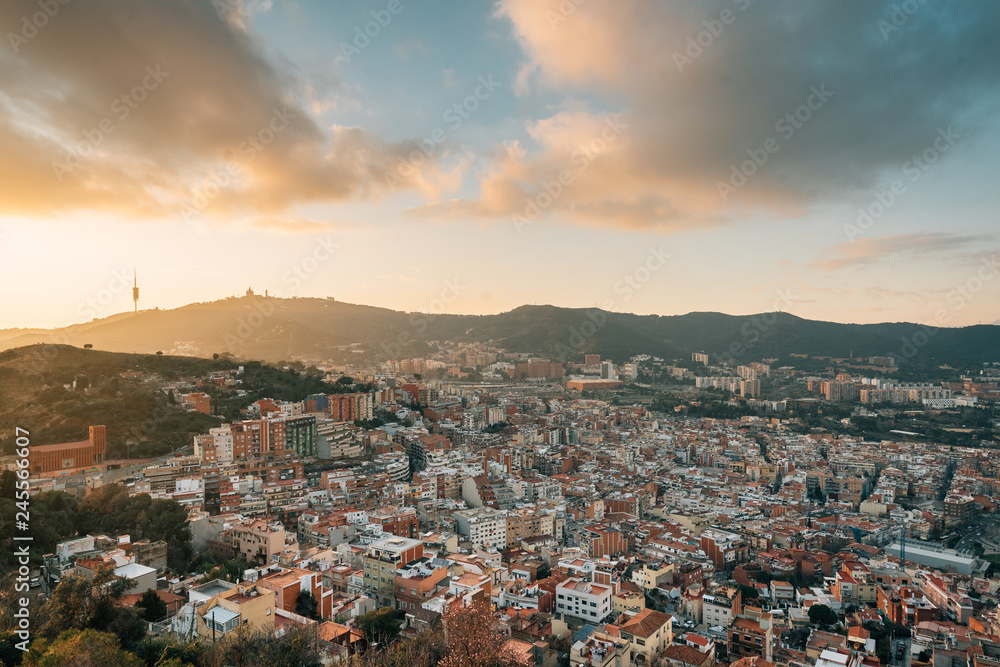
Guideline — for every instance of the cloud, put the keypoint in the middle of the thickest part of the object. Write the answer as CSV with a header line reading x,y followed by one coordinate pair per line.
x,y
296,225
868,251
694,112
79,94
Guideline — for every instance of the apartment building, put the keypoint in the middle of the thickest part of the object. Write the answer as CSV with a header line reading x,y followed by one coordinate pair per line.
x,y
589,601
381,560
751,638
483,527
258,541
721,607
418,581
287,584
725,550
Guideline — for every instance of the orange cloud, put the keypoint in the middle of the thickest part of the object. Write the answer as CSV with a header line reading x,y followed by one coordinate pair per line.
x,y
161,109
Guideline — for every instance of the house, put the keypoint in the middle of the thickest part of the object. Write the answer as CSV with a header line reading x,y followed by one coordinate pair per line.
x,y
601,650
241,605
685,656
649,631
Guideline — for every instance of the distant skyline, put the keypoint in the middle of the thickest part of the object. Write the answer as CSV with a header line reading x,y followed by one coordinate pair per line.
x,y
836,161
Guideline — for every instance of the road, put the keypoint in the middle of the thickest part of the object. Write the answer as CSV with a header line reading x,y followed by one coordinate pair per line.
x,y
905,662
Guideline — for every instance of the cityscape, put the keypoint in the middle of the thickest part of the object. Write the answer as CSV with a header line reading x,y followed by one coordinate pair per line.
x,y
523,333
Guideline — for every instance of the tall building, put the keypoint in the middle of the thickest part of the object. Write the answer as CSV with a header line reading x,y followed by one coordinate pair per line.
x,y
483,526
349,407
750,388
381,561
258,437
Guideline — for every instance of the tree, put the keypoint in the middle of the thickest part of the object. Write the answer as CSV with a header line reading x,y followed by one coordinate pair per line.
x,y
255,648
81,603
231,571
152,605
306,605
380,626
473,638
80,648
8,484
822,615
88,346
9,653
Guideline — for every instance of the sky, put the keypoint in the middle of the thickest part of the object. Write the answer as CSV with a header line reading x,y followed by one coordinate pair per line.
x,y
835,160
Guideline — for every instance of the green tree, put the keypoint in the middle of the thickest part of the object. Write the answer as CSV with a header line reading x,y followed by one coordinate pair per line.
x,y
380,626
822,615
248,648
172,662
9,653
152,605
81,603
111,509
80,648
306,605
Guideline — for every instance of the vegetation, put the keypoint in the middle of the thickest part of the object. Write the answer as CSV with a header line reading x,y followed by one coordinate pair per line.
x,y
80,603
306,605
822,615
470,637
230,571
141,421
80,648
152,606
57,516
110,509
380,626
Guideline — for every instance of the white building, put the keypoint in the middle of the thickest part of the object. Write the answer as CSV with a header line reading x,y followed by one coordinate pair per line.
x,y
584,599
482,526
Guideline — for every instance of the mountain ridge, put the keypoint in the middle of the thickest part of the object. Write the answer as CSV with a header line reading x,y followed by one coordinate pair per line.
x,y
273,329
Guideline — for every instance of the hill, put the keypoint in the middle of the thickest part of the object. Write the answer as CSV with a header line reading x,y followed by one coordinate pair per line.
x,y
34,396
313,329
